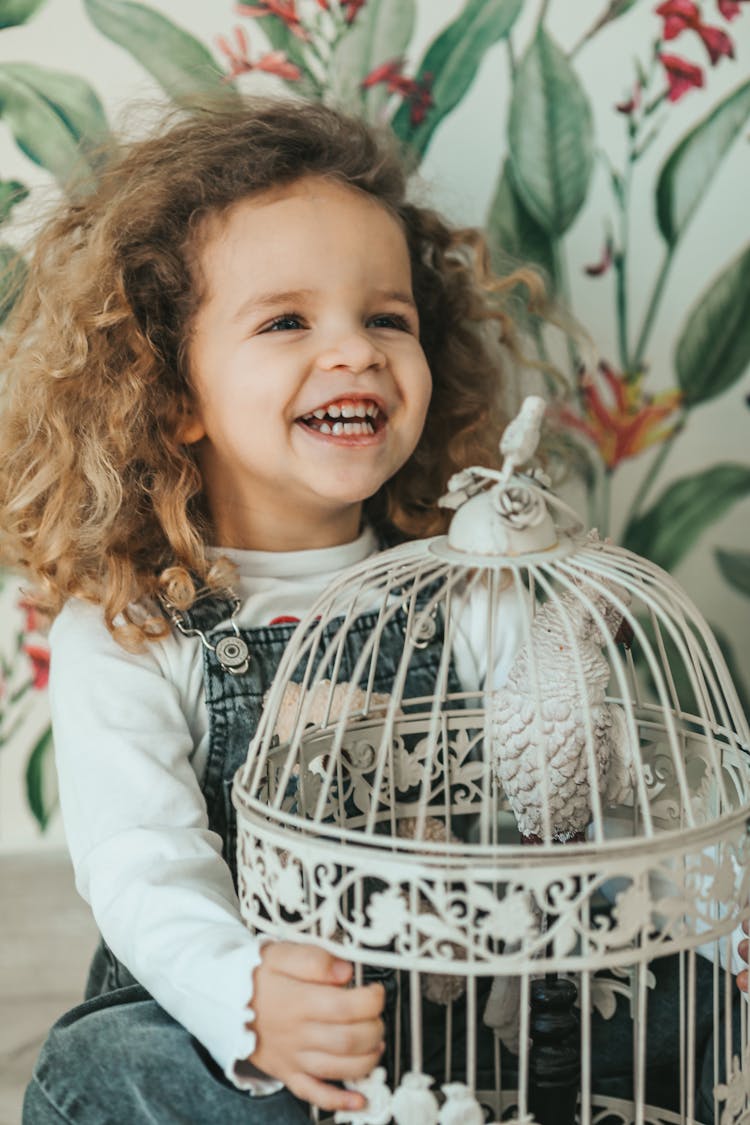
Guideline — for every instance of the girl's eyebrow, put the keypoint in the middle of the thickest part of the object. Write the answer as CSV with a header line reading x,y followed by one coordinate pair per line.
x,y
396,295
288,298
257,302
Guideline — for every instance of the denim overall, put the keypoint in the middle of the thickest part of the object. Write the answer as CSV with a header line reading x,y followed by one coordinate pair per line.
x,y
120,1059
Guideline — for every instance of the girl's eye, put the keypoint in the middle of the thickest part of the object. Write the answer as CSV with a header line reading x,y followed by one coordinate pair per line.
x,y
390,320
289,322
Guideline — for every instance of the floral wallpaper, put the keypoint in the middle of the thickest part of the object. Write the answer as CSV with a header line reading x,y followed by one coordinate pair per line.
x,y
606,141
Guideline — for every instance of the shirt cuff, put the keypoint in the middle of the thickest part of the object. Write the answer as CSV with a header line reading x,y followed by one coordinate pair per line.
x,y
247,1077
240,1071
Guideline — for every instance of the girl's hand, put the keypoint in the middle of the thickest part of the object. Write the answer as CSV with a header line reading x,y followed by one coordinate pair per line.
x,y
310,1027
742,949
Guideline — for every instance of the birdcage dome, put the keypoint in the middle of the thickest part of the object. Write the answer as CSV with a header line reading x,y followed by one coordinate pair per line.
x,y
575,804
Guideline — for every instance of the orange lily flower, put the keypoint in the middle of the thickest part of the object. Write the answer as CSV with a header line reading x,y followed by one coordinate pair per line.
x,y
618,417
39,659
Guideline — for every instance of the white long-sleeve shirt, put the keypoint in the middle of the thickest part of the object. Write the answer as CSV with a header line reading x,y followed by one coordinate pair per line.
x,y
131,741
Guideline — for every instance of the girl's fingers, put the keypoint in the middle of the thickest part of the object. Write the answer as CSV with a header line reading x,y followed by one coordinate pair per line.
x,y
339,1068
345,1039
742,949
306,962
348,1005
742,980
326,1097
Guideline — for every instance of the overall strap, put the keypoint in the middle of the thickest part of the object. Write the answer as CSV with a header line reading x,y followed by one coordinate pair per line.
x,y
208,610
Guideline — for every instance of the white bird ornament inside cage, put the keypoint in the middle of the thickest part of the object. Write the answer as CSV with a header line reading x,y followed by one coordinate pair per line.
x,y
505,771
540,755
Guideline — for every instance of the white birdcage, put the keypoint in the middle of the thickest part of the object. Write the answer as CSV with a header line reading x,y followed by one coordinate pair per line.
x,y
546,871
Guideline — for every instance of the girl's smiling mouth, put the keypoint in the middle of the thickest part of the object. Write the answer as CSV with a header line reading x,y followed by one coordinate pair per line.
x,y
346,417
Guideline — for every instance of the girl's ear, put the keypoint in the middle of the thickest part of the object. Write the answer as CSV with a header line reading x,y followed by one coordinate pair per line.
x,y
190,428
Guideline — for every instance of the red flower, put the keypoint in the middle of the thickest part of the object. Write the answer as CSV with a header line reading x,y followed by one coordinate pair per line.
x,y
600,267
39,657
717,43
33,621
420,97
729,8
681,76
683,15
678,15
285,10
411,90
275,62
351,7
622,421
389,72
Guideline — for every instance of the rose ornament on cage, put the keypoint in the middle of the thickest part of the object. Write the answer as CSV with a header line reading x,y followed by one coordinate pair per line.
x,y
511,760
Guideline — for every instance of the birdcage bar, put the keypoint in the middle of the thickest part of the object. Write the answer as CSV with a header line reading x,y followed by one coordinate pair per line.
x,y
488,821
524,1036
702,680
709,657
670,600
584,996
722,1025
547,830
639,635
690,1046
415,1014
384,753
437,722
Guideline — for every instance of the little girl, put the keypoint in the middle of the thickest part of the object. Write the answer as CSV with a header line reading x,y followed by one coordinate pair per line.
x,y
242,362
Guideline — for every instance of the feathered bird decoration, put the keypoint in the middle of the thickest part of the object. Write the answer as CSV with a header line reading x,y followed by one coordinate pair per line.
x,y
545,677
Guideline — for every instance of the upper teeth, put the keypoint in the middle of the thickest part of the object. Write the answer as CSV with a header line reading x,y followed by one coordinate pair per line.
x,y
345,410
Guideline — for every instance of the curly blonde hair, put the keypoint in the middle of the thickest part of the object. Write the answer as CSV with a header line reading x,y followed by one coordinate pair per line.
x,y
99,498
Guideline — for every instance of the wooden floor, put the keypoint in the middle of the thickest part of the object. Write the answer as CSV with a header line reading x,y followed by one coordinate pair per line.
x,y
47,937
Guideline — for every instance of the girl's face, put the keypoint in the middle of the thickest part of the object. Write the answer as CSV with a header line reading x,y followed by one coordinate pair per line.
x,y
311,386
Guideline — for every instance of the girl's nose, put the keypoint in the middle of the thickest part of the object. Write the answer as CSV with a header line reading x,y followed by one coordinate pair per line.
x,y
351,351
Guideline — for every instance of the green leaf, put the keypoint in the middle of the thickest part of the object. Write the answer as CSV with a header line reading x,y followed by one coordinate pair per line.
x,y
181,64
513,234
381,31
735,566
713,348
11,193
450,65
666,532
41,790
691,166
550,136
14,12
12,276
55,117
